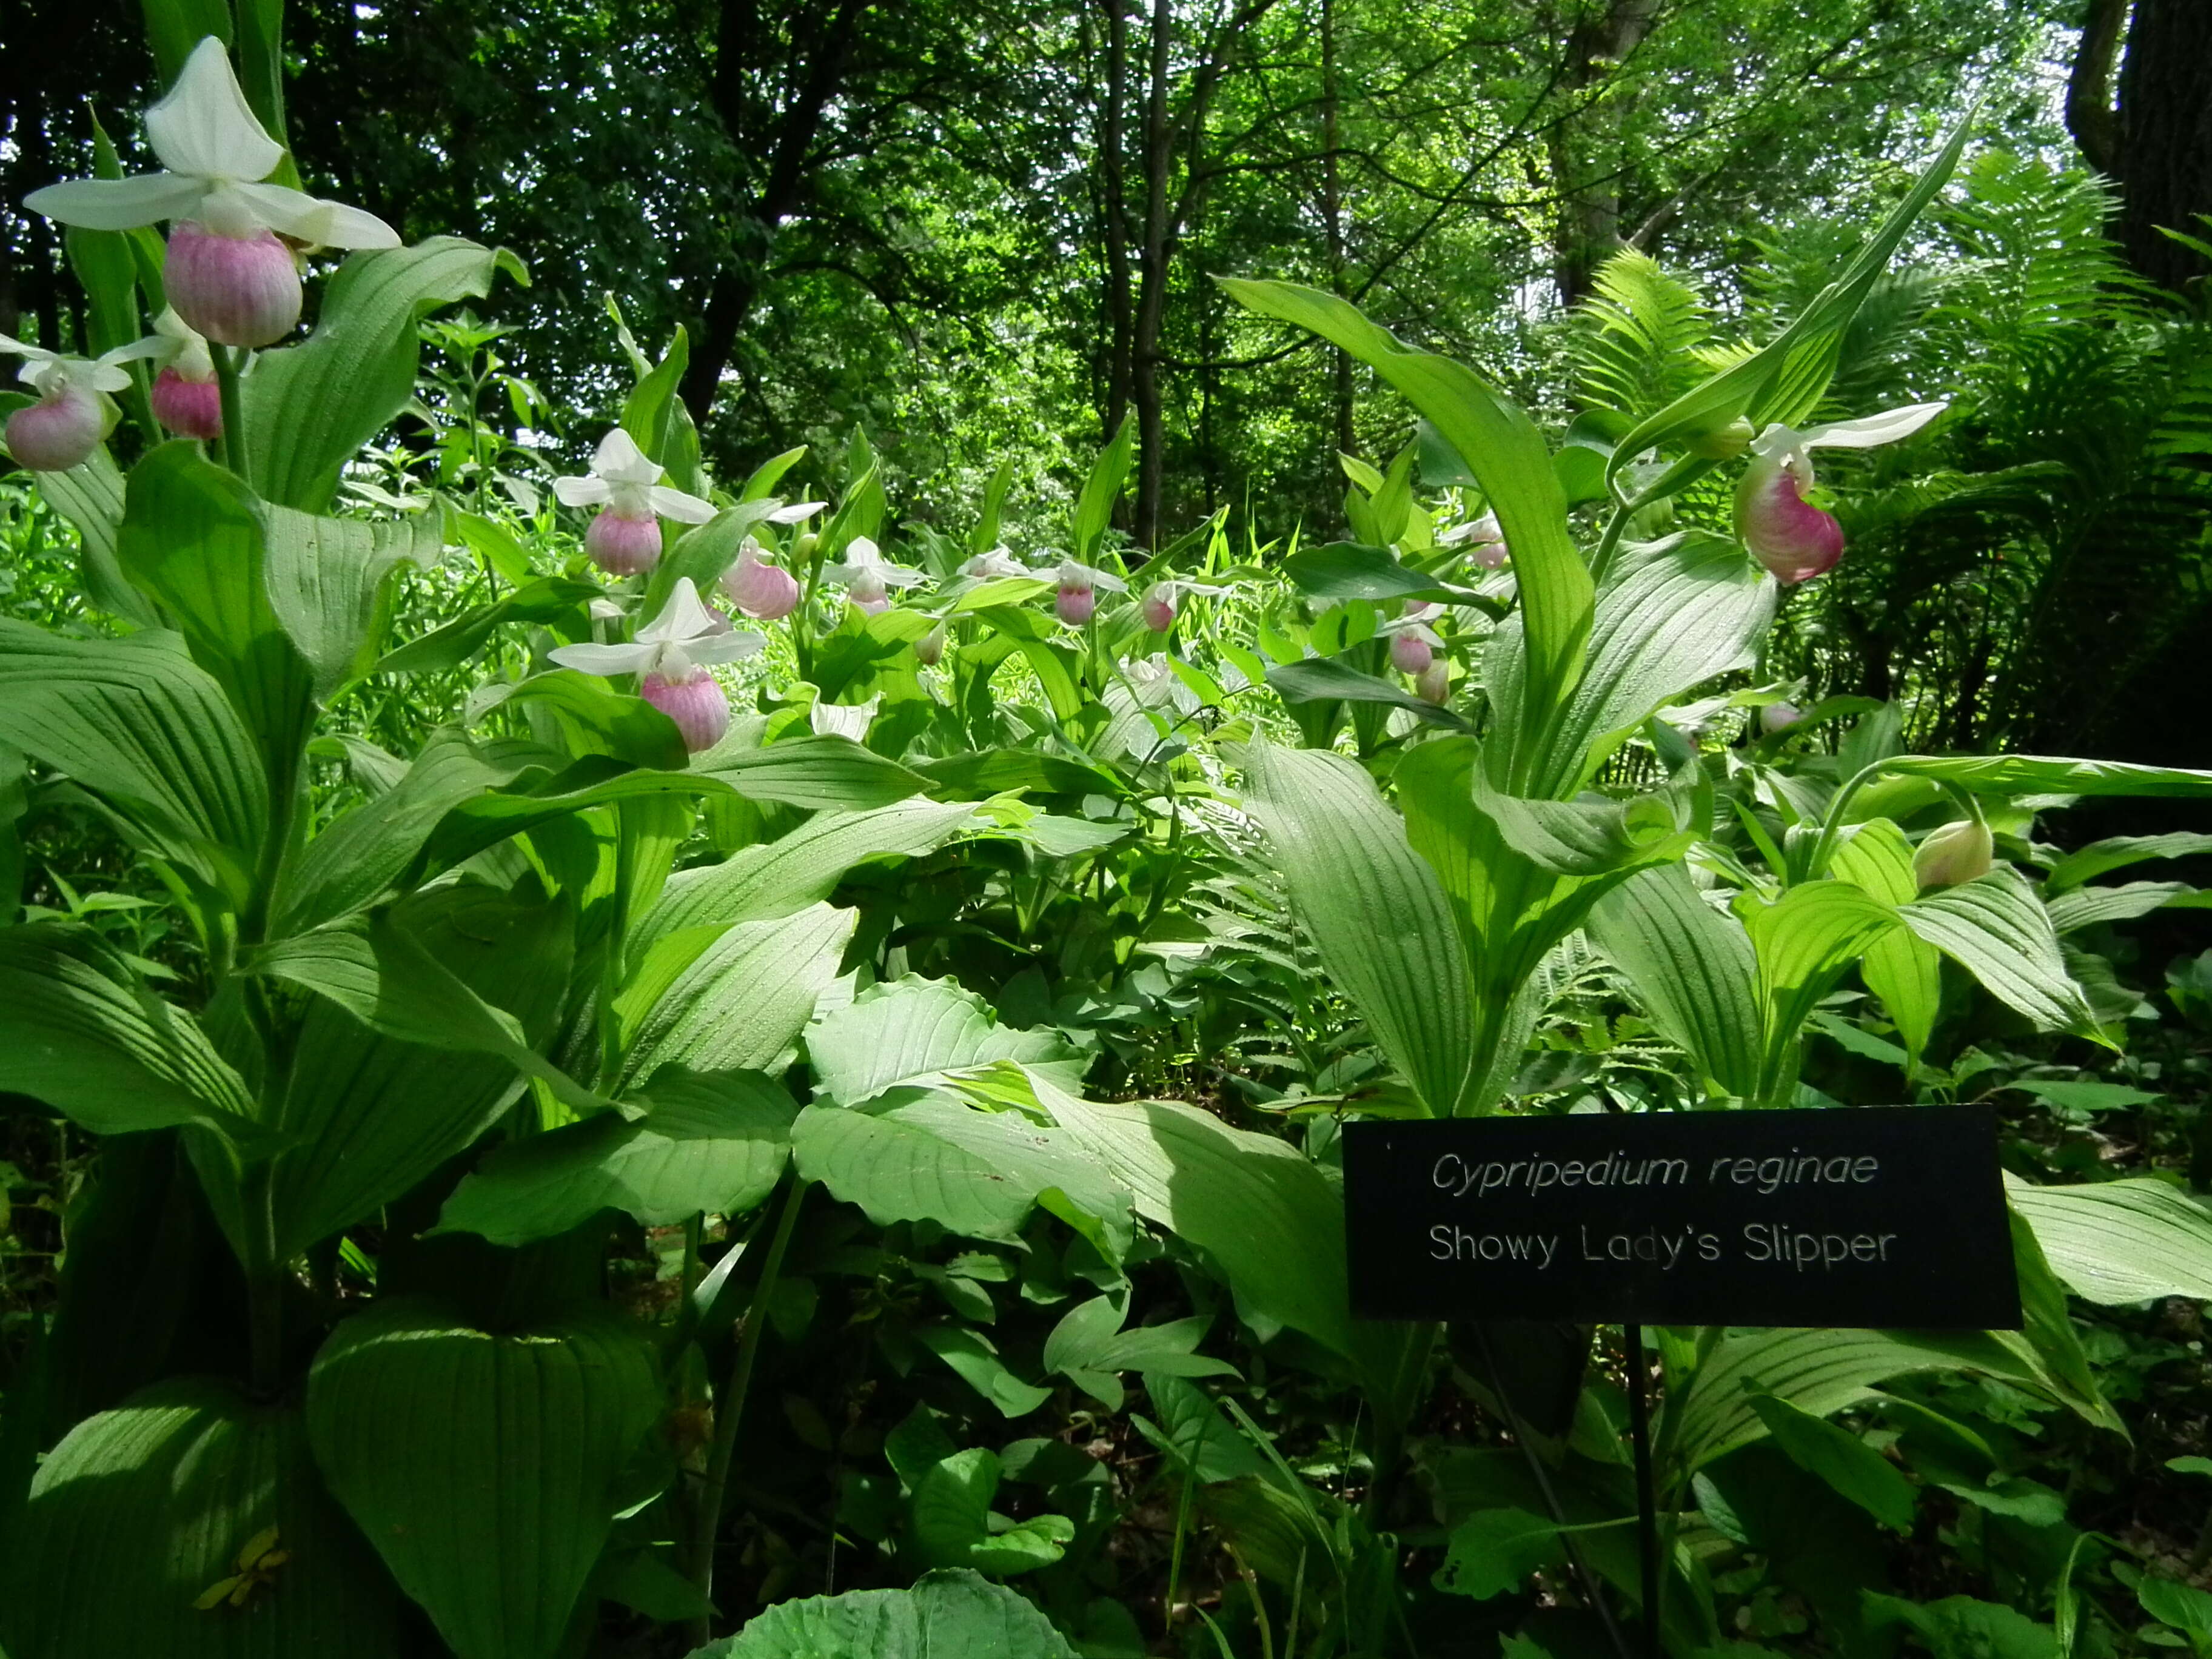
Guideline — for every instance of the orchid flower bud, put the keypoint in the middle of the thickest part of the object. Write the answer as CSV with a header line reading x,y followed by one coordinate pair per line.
x,y
930,647
699,706
1485,540
1159,607
1780,717
1954,852
1724,443
867,577
1793,539
992,566
1410,654
1433,684
1078,598
758,588
187,399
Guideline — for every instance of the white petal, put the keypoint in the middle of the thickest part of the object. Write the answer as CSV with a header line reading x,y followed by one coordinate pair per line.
x,y
315,222
604,610
682,618
1110,582
675,504
619,461
119,204
797,512
1776,439
1884,428
606,660
898,576
581,492
203,127
725,647
37,354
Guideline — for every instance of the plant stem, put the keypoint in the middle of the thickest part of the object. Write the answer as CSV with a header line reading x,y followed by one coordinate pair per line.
x,y
234,424
730,1405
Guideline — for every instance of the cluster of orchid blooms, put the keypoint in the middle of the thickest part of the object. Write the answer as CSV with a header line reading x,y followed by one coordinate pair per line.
x,y
232,279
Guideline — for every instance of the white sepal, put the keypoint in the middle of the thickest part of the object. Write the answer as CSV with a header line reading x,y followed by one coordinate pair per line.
x,y
203,128
606,660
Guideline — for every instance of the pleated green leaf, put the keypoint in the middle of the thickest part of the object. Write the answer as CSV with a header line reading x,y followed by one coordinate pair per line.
x,y
1375,910
746,997
812,773
143,1511
137,721
307,408
716,1143
2098,857
1899,967
329,581
485,1469
947,1612
2042,775
1999,931
2117,1242
914,1030
1504,451
1804,942
78,1032
1693,969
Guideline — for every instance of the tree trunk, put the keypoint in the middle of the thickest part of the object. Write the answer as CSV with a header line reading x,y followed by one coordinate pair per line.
x,y
1152,302
1113,165
1584,149
1332,203
2166,136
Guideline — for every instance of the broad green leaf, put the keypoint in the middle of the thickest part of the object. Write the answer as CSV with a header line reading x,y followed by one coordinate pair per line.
x,y
306,409
367,1115
1492,1552
2089,862
1375,910
547,599
484,820
1899,967
1679,612
486,1469
1101,491
90,496
746,997
385,977
713,1143
137,721
2044,774
1693,969
329,581
78,1032
1804,941
954,1526
192,539
913,1030
1507,454
1592,836
2119,1242
1265,1215
1999,931
1090,1348
1839,1457
2089,907
945,1614
813,772
1823,1371
994,770
974,1172
143,1511
1742,387
1351,570
973,1358
2172,1602
703,552
1195,1433
1960,1627
759,883
1324,679
358,857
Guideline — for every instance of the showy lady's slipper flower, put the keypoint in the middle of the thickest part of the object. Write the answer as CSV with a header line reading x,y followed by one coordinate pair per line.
x,y
758,587
74,411
1485,540
1433,684
1954,853
1163,600
670,658
843,719
624,483
185,397
1793,539
227,273
1414,643
1079,583
1780,717
929,649
992,566
867,577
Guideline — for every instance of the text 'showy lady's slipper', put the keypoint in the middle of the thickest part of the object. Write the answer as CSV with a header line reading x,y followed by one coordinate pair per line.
x,y
1078,597
1954,854
186,396
758,587
226,272
670,656
1793,538
74,412
867,577
624,483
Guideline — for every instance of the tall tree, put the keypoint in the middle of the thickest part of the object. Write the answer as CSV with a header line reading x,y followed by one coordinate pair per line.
x,y
2144,117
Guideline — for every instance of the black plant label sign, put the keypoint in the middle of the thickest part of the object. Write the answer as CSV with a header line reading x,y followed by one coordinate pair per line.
x,y
1862,1216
